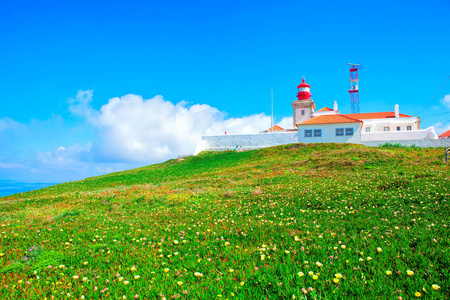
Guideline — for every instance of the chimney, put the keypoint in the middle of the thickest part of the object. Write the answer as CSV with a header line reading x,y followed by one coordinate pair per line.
x,y
397,114
335,107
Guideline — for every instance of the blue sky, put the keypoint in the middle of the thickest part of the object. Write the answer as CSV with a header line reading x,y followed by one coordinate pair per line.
x,y
212,63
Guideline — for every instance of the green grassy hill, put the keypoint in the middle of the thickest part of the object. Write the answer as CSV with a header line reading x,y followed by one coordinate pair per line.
x,y
328,221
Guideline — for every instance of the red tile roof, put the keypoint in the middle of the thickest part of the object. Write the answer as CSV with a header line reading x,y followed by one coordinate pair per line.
x,y
445,134
329,119
376,115
275,127
325,109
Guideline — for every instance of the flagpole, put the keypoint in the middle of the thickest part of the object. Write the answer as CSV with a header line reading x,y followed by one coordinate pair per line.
x,y
271,116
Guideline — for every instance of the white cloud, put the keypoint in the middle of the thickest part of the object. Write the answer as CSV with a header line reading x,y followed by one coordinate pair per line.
x,y
134,129
7,123
446,101
287,123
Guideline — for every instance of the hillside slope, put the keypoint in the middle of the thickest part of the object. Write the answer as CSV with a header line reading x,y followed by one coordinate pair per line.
x,y
329,221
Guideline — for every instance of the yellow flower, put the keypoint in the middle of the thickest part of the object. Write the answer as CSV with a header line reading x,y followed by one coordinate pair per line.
x,y
198,274
180,283
166,270
388,272
379,249
133,268
418,294
126,282
242,283
315,277
319,264
137,277
335,280
75,276
435,287
338,275
231,270
410,273
310,273
85,263
343,246
369,258
300,274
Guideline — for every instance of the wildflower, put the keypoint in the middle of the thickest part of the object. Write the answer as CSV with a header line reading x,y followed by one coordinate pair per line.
x,y
300,274
369,258
231,270
166,270
287,251
338,275
126,282
315,277
310,289
176,242
388,272
85,263
227,243
335,280
198,274
379,249
435,287
61,266
180,283
410,273
133,268
343,246
310,273
361,259
137,277
242,283
418,294
263,257
75,276
120,278
319,264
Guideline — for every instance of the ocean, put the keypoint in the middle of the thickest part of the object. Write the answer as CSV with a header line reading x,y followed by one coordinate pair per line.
x,y
9,187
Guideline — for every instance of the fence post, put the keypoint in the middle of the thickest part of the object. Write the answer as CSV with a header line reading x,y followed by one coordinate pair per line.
x,y
447,152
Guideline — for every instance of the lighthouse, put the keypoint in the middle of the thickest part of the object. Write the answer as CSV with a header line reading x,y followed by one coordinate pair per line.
x,y
304,106
304,92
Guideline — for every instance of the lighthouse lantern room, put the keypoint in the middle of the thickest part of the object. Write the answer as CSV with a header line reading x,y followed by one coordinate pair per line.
x,y
304,106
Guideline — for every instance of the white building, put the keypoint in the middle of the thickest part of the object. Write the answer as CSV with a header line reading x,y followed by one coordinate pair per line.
x,y
375,126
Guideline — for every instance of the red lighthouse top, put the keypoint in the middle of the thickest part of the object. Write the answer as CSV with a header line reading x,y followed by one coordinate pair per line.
x,y
303,91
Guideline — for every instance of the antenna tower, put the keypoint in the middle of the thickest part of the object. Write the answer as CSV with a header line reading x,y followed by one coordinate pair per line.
x,y
353,89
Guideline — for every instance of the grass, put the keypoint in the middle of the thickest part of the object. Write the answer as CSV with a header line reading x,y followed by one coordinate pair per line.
x,y
328,221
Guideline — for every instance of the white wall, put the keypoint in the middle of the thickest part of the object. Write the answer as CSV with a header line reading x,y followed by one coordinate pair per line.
x,y
329,133
245,141
426,134
417,143
377,125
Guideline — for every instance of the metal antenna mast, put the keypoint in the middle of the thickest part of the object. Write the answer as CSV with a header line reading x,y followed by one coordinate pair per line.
x,y
353,89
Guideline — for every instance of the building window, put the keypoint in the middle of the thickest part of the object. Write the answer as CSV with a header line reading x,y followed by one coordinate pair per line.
x,y
409,127
398,128
303,112
348,131
339,131
367,129
317,132
308,133
386,128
